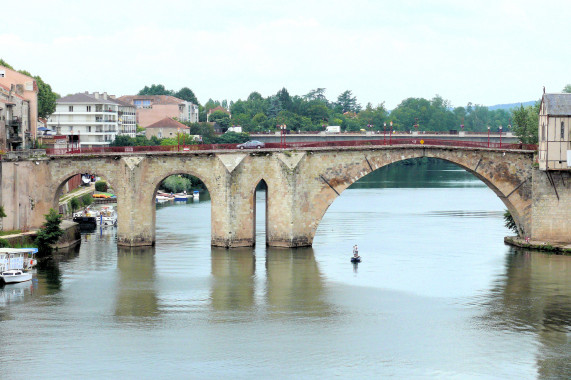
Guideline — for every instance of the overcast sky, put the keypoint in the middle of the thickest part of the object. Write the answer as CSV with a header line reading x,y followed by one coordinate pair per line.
x,y
484,52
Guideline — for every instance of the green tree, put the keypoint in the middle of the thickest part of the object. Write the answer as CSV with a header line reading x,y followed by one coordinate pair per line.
x,y
221,118
155,89
567,89
232,138
74,204
525,123
317,94
86,199
284,99
49,234
186,93
46,98
347,102
123,140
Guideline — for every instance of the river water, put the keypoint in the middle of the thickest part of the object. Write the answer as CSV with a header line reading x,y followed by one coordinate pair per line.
x,y
438,295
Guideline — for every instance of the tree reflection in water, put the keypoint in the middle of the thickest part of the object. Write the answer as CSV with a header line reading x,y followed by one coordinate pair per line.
x,y
535,296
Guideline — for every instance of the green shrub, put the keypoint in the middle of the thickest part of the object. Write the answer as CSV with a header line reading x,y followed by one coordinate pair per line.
x,y
87,199
49,233
509,222
74,204
4,243
101,186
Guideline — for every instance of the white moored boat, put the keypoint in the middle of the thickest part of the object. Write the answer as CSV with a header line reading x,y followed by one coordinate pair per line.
x,y
17,258
15,275
107,216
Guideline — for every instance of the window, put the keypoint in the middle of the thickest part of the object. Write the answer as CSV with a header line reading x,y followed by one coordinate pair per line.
x,y
88,108
2,73
88,129
562,130
543,132
70,108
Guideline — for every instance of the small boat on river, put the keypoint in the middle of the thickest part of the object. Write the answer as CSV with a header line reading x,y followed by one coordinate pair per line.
x,y
17,258
355,258
106,216
196,194
181,197
15,275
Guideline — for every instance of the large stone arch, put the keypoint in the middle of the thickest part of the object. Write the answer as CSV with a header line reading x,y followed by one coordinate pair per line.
x,y
507,173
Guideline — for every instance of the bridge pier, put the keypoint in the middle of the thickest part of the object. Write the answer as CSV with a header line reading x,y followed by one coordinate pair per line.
x,y
135,203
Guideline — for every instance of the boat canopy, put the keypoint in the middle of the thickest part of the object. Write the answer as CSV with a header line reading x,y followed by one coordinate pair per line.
x,y
18,250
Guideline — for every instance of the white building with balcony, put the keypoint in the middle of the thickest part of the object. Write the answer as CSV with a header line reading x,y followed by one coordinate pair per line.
x,y
96,118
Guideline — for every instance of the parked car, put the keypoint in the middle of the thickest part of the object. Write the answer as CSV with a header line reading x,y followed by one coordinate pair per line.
x,y
251,145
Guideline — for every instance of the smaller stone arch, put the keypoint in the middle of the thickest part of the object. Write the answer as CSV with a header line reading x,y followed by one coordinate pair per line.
x,y
262,182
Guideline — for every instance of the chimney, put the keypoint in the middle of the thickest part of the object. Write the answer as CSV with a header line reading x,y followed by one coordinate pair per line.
x,y
96,95
104,95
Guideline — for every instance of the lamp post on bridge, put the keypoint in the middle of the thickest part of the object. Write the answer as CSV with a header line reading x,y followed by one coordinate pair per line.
x,y
384,133
500,136
488,136
391,135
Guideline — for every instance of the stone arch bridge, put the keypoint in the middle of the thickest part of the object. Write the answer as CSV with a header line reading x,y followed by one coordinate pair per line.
x,y
301,183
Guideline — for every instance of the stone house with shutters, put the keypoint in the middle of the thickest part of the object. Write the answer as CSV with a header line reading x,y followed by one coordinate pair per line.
x,y
554,151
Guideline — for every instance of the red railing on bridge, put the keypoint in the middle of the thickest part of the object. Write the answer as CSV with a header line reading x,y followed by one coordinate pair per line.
x,y
308,144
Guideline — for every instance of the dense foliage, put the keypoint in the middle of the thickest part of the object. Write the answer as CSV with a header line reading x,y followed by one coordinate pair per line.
x,y
509,222
101,186
49,234
313,111
184,93
181,182
525,123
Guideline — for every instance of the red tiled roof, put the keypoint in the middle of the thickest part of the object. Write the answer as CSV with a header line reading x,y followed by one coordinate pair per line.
x,y
167,122
218,108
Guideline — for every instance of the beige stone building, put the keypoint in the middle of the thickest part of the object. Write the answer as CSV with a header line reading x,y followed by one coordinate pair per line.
x,y
166,128
554,136
153,108
15,128
27,88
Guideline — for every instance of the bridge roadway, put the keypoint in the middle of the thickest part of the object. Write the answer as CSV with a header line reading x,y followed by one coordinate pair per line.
x,y
494,137
302,183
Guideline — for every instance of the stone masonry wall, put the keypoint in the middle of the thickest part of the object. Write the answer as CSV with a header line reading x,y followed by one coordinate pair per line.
x,y
551,206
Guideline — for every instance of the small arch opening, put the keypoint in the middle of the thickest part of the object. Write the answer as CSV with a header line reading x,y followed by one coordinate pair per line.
x,y
260,210
85,192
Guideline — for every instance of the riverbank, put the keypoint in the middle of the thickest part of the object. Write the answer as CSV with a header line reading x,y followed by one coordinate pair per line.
x,y
557,248
70,237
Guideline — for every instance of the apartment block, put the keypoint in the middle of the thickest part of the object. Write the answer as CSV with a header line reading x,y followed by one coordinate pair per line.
x,y
153,108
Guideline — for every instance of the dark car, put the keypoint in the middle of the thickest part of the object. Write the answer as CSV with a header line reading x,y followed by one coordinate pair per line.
x,y
252,144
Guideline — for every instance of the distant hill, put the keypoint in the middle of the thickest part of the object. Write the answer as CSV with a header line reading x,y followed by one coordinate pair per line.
x,y
510,106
